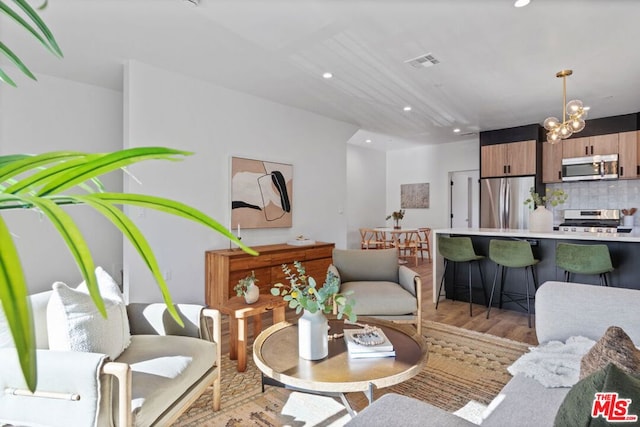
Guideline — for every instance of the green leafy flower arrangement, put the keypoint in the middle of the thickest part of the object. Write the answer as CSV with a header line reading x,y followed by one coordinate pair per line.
x,y
553,198
244,283
397,215
303,293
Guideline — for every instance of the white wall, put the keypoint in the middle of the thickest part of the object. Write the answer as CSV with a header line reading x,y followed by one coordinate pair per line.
x,y
430,164
366,183
49,115
168,109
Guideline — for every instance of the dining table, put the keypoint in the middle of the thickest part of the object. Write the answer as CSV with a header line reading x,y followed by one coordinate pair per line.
x,y
397,237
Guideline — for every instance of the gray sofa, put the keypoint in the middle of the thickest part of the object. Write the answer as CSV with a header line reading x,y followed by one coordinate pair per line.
x,y
375,279
162,371
563,310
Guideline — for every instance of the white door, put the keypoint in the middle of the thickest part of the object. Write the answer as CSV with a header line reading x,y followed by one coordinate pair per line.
x,y
464,197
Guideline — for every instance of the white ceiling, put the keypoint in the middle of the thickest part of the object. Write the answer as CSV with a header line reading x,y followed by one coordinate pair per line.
x,y
497,63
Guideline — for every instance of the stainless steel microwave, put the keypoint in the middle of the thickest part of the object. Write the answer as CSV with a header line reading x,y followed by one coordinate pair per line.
x,y
590,168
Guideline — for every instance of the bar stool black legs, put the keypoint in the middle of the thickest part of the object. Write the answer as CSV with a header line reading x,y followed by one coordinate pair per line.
x,y
513,254
459,249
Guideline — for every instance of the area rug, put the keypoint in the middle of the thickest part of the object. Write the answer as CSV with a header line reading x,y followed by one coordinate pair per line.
x,y
462,366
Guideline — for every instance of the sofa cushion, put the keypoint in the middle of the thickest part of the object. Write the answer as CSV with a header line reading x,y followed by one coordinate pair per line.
x,y
380,298
536,405
615,346
75,324
163,369
355,265
393,410
577,407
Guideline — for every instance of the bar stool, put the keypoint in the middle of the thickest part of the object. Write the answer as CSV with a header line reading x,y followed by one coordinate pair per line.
x,y
584,259
513,254
459,249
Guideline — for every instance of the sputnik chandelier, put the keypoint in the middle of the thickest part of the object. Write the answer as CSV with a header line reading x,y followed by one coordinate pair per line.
x,y
573,115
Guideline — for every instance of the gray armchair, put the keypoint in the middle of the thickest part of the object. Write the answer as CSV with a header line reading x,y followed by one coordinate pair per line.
x,y
163,370
381,288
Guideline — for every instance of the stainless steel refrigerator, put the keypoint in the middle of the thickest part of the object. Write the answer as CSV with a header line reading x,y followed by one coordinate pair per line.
x,y
502,202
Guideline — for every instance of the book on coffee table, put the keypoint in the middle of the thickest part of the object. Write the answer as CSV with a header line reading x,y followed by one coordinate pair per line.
x,y
357,351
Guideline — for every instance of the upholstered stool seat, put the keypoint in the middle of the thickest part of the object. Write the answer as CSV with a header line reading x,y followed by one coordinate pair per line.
x,y
584,259
459,249
513,254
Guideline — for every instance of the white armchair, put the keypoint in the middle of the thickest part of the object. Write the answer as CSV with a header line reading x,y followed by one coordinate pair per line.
x,y
380,287
163,370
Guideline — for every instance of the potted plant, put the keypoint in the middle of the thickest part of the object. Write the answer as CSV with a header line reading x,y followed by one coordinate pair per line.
x,y
247,287
48,183
541,219
305,296
397,216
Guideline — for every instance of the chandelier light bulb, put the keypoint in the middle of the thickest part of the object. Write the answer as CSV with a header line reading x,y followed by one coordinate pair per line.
x,y
577,125
553,137
565,131
551,123
574,106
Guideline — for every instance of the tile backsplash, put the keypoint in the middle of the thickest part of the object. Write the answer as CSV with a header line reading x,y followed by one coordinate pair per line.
x,y
614,194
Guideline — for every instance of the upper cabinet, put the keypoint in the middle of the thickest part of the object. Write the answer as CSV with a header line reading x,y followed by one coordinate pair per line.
x,y
551,162
511,159
628,160
590,146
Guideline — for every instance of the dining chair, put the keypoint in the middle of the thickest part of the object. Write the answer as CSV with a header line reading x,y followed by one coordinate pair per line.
x,y
424,245
407,244
370,239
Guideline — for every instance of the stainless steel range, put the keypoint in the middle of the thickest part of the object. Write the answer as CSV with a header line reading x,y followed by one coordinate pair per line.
x,y
592,221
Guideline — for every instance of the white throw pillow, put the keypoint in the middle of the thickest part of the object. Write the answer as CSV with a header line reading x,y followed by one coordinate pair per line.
x,y
75,324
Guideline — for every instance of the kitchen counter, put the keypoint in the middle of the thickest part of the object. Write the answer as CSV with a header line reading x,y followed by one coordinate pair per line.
x,y
624,249
634,236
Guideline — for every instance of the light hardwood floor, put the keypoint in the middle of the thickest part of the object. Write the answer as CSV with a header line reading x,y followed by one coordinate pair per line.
x,y
502,323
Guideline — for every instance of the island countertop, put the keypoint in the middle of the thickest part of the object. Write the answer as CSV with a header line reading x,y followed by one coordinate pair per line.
x,y
623,247
633,236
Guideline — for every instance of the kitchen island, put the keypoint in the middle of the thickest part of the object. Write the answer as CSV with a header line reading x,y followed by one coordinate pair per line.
x,y
624,249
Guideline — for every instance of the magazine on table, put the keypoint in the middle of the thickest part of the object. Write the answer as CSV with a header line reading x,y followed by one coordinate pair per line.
x,y
357,350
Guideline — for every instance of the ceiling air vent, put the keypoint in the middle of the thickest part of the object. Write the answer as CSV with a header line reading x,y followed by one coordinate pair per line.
x,y
423,61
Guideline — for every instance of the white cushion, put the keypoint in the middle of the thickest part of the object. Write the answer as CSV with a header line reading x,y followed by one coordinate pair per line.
x,y
75,324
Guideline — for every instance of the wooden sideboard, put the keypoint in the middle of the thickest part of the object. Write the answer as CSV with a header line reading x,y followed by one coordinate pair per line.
x,y
224,267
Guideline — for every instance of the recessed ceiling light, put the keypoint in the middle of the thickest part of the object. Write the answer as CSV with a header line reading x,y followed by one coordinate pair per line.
x,y
586,108
327,75
521,3
368,141
407,108
456,130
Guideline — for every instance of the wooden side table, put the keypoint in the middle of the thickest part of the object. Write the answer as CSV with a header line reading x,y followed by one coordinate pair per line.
x,y
239,313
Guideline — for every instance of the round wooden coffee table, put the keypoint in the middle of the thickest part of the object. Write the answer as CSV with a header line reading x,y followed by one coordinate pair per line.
x,y
275,352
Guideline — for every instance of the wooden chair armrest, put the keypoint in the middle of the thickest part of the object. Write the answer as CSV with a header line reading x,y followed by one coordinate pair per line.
x,y
122,372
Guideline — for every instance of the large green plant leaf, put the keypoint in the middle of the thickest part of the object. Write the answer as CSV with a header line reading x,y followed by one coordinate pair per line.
x,y
12,166
42,175
171,207
16,61
37,28
75,242
137,239
108,163
36,182
13,296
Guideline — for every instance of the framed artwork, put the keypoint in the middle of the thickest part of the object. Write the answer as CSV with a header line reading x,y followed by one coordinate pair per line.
x,y
414,196
261,193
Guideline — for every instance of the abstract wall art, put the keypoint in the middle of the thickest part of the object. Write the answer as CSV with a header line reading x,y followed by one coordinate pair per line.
x,y
414,196
261,193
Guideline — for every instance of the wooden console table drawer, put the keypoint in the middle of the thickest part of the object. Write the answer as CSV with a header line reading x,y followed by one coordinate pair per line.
x,y
224,267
